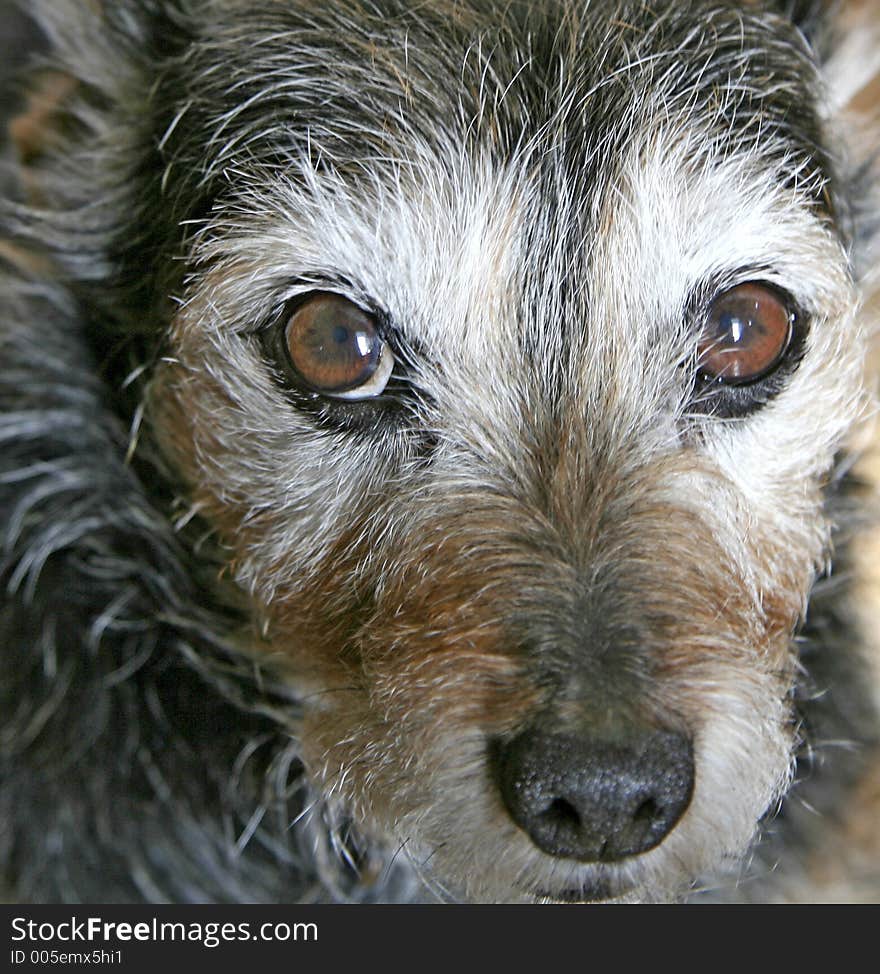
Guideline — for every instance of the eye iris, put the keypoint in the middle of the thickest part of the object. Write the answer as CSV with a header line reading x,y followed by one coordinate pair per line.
x,y
332,343
748,330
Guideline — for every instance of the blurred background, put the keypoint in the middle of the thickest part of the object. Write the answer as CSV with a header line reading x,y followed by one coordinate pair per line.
x,y
18,40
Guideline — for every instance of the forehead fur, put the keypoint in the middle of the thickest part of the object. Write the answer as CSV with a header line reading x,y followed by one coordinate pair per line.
x,y
360,85
389,90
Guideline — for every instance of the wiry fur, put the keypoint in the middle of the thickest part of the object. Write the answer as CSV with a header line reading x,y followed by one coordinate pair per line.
x,y
256,651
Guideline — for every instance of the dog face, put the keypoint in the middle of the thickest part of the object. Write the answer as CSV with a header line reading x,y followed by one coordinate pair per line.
x,y
511,353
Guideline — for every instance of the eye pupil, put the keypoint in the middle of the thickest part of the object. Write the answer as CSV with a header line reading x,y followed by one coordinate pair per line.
x,y
747,332
332,344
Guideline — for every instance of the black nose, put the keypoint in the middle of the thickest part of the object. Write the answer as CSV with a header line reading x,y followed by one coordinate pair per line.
x,y
597,800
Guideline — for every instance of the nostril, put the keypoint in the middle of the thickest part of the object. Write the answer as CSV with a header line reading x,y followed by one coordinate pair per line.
x,y
562,813
648,811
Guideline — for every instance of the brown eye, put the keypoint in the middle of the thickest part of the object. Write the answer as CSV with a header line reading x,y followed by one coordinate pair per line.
x,y
747,331
335,348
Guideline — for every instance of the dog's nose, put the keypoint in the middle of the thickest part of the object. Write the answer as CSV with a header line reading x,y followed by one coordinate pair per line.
x,y
597,800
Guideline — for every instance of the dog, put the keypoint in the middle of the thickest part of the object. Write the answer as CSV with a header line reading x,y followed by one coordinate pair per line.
x,y
436,454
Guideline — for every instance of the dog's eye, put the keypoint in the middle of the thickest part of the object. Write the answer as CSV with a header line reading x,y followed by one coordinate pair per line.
x,y
335,348
746,333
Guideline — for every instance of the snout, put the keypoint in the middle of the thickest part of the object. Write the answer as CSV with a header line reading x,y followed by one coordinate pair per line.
x,y
594,798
